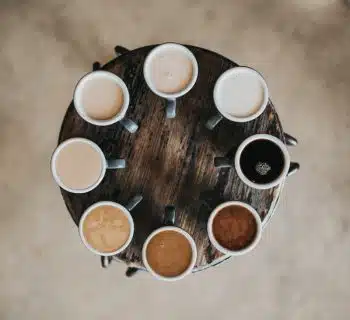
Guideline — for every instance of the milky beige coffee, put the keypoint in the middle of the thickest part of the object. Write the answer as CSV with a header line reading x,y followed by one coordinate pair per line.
x,y
106,228
78,165
171,71
241,94
102,98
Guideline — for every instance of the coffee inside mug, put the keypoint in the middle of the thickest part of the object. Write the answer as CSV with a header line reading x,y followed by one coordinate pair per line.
x,y
241,94
101,98
170,70
262,161
234,228
169,253
106,228
78,165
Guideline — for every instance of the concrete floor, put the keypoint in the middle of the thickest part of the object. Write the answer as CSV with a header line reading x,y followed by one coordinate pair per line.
x,y
301,269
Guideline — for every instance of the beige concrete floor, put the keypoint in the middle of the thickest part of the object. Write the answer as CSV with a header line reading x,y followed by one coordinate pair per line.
x,y
301,269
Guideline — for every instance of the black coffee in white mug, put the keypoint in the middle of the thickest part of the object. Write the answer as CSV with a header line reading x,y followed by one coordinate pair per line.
x,y
262,161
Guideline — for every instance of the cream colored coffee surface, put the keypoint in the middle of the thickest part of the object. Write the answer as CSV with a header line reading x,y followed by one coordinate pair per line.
x,y
171,71
102,98
78,165
106,228
240,94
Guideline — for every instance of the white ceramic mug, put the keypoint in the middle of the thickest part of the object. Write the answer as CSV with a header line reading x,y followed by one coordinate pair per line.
x,y
79,91
170,220
288,169
106,164
125,209
236,71
284,171
170,97
251,245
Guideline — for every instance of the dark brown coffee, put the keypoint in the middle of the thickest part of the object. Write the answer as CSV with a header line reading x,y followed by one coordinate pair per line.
x,y
169,253
234,227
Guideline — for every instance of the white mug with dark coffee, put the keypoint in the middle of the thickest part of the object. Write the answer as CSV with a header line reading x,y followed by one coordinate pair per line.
x,y
102,98
169,253
106,228
234,228
170,71
78,165
261,161
240,95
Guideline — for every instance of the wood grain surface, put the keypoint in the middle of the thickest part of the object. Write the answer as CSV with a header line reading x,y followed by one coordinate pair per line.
x,y
170,161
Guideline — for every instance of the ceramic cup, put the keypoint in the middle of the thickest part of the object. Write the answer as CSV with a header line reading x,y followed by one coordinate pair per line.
x,y
125,209
170,97
222,85
247,248
119,117
106,164
169,226
287,168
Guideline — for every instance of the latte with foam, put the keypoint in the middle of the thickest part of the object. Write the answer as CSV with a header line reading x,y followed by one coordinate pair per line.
x,y
106,228
171,71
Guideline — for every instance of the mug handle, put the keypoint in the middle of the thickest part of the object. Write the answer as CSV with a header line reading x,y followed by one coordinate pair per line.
x,y
116,164
293,168
222,162
290,141
131,271
129,125
106,261
171,108
169,218
214,121
133,202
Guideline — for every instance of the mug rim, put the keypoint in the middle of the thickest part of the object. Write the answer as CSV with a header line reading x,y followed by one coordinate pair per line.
x,y
235,70
151,55
221,248
59,149
284,172
193,259
78,93
106,203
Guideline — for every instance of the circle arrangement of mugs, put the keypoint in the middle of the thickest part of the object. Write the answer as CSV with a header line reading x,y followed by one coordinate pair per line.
x,y
78,165
102,98
262,161
170,71
240,95
107,228
234,228
169,253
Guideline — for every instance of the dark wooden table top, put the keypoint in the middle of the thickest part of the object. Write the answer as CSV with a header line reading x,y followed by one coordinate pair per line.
x,y
170,161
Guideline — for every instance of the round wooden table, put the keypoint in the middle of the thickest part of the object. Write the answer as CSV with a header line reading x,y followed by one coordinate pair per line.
x,y
171,161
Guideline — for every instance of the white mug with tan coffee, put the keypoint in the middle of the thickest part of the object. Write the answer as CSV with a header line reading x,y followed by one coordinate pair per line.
x,y
240,95
170,71
78,165
169,253
102,98
106,228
